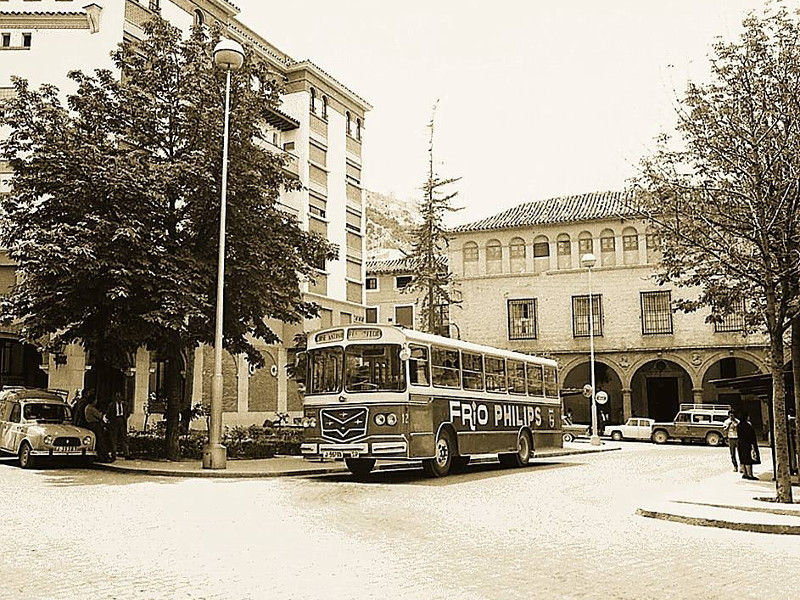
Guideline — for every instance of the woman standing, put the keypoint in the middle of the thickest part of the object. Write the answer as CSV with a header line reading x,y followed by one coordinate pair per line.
x,y
747,447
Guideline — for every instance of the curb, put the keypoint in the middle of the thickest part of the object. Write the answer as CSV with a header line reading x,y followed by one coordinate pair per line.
x,y
340,468
721,524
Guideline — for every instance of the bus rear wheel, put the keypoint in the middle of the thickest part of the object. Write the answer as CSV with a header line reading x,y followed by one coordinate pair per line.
x,y
442,460
360,467
521,457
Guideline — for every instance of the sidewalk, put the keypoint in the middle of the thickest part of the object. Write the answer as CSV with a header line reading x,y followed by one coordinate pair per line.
x,y
286,466
729,502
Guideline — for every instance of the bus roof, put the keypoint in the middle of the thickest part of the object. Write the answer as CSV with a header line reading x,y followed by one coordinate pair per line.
x,y
391,333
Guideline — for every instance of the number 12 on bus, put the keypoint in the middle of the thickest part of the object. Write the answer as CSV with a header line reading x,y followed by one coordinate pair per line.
x,y
381,392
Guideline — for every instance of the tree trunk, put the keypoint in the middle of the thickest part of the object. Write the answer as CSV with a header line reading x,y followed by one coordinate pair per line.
x,y
783,487
796,387
172,382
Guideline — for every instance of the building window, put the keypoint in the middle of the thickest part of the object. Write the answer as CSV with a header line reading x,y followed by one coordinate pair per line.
x,y
26,40
580,315
6,40
564,247
325,107
517,248
313,105
541,249
494,257
358,129
404,316
402,281
371,314
471,252
732,322
372,283
522,319
349,122
585,243
653,245
608,249
630,242
656,312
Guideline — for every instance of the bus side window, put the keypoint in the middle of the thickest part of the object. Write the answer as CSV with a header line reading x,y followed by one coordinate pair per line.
x,y
495,374
472,371
419,366
550,382
535,380
446,370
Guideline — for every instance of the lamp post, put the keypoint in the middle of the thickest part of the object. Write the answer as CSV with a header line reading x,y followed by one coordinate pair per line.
x,y
228,55
589,260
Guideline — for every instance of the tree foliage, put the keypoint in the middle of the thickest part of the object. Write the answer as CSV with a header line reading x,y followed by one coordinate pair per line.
x,y
726,195
428,255
114,216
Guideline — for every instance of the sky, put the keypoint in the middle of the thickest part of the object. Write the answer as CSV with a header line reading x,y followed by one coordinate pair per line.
x,y
536,98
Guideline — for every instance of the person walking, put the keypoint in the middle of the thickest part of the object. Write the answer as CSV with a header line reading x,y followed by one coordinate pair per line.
x,y
729,429
116,417
748,447
94,421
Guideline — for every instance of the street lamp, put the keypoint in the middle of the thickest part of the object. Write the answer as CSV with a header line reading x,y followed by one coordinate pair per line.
x,y
589,260
228,55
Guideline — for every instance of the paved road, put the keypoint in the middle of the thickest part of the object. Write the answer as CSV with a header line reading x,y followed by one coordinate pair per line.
x,y
565,528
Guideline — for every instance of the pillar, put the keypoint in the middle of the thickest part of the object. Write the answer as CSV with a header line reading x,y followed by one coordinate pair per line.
x,y
697,395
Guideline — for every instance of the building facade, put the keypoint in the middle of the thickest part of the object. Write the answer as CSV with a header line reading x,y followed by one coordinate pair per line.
x,y
319,128
523,288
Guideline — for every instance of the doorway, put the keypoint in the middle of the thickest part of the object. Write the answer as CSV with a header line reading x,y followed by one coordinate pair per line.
x,y
662,398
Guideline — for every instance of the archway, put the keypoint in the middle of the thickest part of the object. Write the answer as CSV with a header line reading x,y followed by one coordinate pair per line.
x,y
606,380
658,388
20,364
728,368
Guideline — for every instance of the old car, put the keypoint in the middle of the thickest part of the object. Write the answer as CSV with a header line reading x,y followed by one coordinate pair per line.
x,y
570,430
694,423
37,424
635,428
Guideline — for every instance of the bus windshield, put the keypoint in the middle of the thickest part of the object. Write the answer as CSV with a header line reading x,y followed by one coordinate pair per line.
x,y
373,368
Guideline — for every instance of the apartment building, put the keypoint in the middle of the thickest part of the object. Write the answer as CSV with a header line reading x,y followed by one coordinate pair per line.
x,y
319,127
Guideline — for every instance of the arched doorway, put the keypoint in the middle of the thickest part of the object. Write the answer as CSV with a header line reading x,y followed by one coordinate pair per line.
x,y
20,364
606,380
658,388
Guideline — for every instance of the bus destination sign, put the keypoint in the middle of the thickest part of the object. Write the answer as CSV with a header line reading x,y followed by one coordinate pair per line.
x,y
364,333
326,337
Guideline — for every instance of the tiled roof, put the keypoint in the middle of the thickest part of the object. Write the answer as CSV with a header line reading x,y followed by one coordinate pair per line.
x,y
564,209
396,265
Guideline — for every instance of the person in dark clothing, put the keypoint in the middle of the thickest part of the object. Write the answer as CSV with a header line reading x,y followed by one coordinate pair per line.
x,y
116,418
747,446
79,408
94,422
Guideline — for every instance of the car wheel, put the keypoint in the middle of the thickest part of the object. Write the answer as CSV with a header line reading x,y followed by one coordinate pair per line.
x,y
360,467
439,465
26,459
521,457
713,438
660,436
567,437
616,436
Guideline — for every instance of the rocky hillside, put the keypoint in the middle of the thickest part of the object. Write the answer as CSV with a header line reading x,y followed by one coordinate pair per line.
x,y
390,222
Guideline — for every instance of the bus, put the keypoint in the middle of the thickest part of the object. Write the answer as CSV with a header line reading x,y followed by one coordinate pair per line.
x,y
381,392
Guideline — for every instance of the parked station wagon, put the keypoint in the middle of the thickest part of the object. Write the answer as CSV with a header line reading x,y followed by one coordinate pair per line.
x,y
694,423
37,424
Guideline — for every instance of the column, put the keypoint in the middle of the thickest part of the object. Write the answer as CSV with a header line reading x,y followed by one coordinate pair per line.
x,y
627,403
141,387
697,395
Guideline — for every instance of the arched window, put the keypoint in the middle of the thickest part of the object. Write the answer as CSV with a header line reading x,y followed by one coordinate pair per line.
x,y
585,243
516,252
470,253
348,121
564,251
494,257
608,248
313,93
358,129
541,254
199,18
325,107
653,244
630,246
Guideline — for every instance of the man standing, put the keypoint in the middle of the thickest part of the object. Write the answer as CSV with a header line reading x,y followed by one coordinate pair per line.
x,y
117,418
94,421
730,429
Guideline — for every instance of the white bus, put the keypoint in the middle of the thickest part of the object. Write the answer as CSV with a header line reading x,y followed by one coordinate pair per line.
x,y
381,392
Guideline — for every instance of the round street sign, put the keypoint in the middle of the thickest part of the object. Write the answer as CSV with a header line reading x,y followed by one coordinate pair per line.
x,y
587,390
601,398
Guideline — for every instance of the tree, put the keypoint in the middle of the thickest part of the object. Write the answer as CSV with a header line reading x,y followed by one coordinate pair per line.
x,y
115,208
428,255
727,198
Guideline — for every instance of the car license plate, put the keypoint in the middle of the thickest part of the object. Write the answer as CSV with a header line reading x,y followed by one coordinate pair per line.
x,y
65,450
339,454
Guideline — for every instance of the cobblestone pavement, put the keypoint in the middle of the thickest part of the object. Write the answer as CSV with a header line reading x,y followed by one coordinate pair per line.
x,y
562,528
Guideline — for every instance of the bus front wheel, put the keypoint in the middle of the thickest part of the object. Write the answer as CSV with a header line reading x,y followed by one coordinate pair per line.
x,y
360,467
442,460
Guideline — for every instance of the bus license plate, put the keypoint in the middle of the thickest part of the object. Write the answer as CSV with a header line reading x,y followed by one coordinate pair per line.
x,y
339,454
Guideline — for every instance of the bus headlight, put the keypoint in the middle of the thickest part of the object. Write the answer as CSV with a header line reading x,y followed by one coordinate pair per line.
x,y
391,419
380,419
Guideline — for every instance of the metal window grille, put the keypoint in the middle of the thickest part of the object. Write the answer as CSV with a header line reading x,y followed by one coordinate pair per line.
x,y
580,315
656,312
732,322
522,319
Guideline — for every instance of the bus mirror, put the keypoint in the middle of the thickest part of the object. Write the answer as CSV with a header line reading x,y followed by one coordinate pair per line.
x,y
405,353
